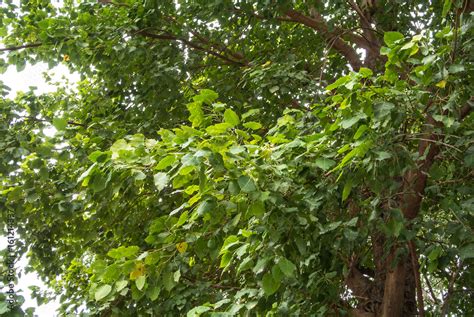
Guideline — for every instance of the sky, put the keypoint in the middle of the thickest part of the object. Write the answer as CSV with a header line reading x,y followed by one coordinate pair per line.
x,y
32,75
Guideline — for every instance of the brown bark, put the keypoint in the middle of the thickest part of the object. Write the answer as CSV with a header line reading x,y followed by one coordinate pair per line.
x,y
393,299
334,39
372,44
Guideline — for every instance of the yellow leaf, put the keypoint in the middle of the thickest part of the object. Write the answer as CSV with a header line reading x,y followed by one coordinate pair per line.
x,y
66,58
441,84
182,247
268,63
138,271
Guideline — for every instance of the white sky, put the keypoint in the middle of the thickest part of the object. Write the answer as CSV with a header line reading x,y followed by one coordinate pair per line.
x,y
21,81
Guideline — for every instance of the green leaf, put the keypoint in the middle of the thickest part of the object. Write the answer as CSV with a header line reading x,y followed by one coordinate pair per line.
x,y
98,182
365,72
347,190
177,276
196,116
277,274
206,207
456,68
4,308
161,180
198,311
206,96
287,267
391,38
339,82
182,219
446,7
382,155
360,131
383,109
102,292
246,184
269,284
119,148
466,252
165,162
330,227
274,89
252,125
257,209
347,123
407,46
225,260
246,264
139,175
324,163
119,285
140,282
99,156
261,264
231,117
219,128
60,123
123,252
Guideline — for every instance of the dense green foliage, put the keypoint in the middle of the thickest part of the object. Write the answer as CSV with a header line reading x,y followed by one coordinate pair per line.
x,y
224,158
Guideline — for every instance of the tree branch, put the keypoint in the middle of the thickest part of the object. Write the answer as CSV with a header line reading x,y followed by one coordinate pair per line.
x,y
416,272
445,307
430,288
19,47
196,46
373,42
262,17
44,120
318,24
359,284
219,46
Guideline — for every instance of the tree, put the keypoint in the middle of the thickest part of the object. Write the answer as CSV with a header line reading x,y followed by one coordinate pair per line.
x,y
245,158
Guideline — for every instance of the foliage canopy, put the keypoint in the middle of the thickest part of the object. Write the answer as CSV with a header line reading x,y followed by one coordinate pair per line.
x,y
263,158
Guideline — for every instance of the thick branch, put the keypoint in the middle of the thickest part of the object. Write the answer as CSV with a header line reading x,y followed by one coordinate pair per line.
x,y
318,24
366,24
414,183
359,284
394,290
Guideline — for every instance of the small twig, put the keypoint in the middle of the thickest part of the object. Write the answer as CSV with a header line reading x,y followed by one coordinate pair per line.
x,y
445,307
261,17
172,37
437,142
44,120
430,288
